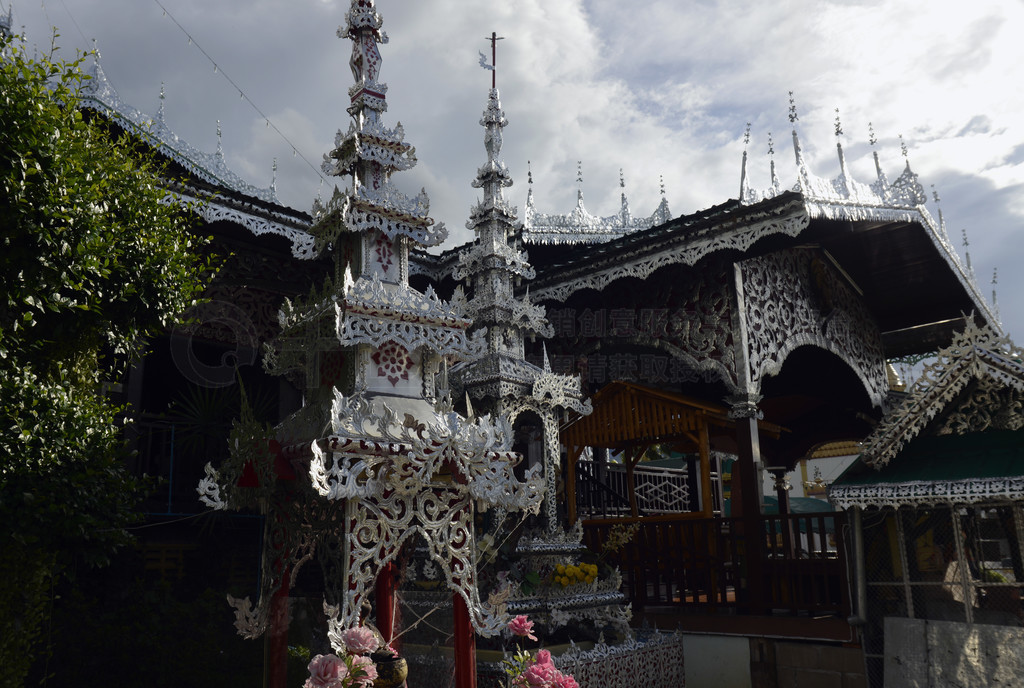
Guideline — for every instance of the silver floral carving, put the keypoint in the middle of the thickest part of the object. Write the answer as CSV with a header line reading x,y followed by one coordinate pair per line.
x,y
794,298
681,248
844,198
929,492
402,477
978,354
644,658
259,223
373,312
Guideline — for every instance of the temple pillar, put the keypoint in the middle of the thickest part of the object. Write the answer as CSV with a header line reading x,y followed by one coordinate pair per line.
x,y
464,642
782,488
386,604
747,504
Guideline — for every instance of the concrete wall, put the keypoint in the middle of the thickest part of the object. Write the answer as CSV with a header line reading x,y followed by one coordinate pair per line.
x,y
948,654
718,661
810,665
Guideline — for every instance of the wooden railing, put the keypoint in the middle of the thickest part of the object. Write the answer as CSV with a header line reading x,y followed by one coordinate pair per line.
x,y
701,565
595,498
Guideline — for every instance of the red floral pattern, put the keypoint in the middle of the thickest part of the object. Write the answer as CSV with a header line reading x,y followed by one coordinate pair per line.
x,y
393,362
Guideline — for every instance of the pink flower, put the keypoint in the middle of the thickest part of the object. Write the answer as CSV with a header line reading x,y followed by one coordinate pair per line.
x,y
522,627
544,657
359,640
541,674
364,671
326,671
565,681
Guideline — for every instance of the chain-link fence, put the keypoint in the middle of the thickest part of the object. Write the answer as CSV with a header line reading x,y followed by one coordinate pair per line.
x,y
958,564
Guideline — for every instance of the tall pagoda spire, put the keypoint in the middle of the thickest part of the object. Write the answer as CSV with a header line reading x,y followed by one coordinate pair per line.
x,y
503,380
380,440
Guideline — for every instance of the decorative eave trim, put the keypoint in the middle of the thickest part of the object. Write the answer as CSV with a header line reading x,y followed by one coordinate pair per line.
x,y
100,95
218,209
682,248
929,493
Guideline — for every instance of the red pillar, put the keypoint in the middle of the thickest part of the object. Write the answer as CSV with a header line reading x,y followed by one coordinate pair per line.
x,y
385,602
465,645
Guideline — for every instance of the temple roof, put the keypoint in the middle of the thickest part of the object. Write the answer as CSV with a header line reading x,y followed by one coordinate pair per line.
x,y
956,437
910,277
99,94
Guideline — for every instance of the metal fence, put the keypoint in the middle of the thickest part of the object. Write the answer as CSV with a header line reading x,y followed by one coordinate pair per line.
x,y
947,564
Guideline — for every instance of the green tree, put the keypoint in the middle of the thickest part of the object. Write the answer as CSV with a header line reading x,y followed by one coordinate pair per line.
x,y
93,261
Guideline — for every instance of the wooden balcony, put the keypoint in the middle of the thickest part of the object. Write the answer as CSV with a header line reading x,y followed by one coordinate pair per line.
x,y
697,571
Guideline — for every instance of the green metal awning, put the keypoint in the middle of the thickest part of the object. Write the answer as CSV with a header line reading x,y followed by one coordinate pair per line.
x,y
946,469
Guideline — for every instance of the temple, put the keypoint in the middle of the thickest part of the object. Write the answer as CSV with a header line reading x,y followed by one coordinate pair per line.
x,y
450,432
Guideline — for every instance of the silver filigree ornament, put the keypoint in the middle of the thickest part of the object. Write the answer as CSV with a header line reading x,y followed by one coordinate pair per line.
x,y
985,365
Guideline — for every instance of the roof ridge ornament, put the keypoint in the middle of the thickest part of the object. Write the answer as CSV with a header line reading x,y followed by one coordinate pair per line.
x,y
6,22
99,94
581,227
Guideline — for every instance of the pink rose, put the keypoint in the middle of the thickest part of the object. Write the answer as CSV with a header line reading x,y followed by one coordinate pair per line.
x,y
544,657
359,640
565,681
364,671
326,671
522,627
541,675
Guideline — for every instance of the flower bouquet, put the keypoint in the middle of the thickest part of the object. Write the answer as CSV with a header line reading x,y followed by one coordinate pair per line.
x,y
528,671
355,669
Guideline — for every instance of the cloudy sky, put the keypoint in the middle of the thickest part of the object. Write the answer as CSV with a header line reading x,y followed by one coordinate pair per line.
x,y
658,88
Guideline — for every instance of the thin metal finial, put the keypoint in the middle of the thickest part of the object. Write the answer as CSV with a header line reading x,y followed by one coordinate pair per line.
x,y
220,142
661,182
579,171
493,67
903,148
995,281
771,145
622,180
160,108
935,194
872,140
746,136
529,173
839,125
793,118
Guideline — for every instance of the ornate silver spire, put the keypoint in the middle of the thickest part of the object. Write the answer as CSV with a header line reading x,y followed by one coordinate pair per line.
x,y
502,378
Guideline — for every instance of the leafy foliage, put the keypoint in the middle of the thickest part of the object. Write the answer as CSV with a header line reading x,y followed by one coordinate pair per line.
x,y
92,256
93,259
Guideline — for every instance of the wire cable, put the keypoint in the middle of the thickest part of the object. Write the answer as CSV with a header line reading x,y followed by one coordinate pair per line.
x,y
241,94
